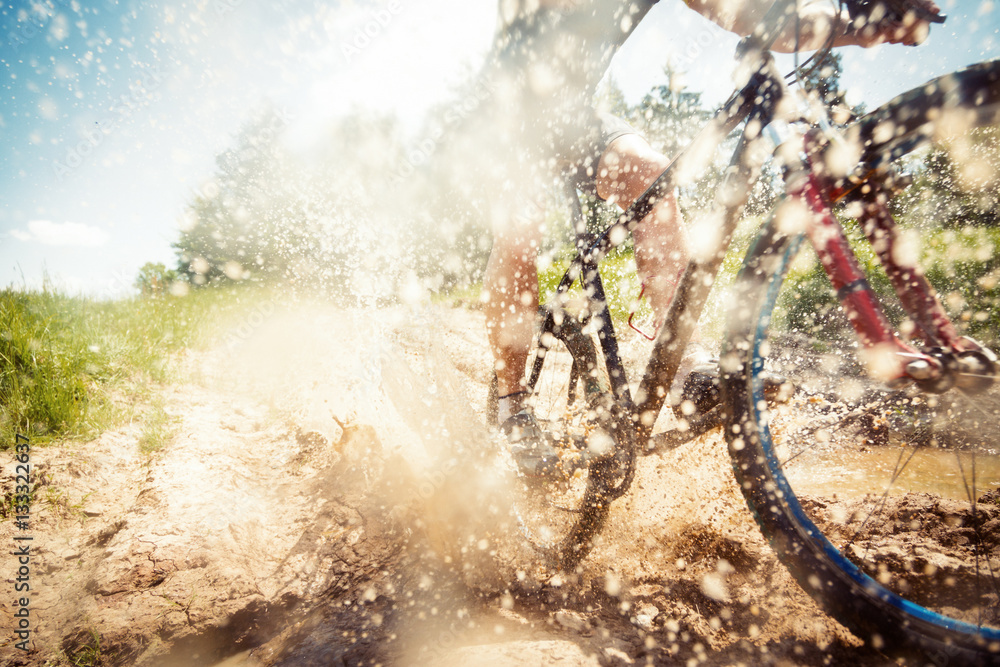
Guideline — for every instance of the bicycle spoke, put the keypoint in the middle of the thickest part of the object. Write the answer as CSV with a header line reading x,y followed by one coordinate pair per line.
x,y
880,505
981,553
978,542
809,434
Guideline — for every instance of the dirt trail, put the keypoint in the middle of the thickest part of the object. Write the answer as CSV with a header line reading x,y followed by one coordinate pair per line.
x,y
321,504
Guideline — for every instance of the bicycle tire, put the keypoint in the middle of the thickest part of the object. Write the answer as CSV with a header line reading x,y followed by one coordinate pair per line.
x,y
779,458
868,601
561,517
897,126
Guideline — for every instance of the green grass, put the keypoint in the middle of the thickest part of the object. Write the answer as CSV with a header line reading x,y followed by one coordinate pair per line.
x,y
621,284
158,427
66,362
617,272
89,654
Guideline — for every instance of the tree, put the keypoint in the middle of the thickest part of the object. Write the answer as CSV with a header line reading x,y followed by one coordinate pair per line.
x,y
154,279
359,214
611,99
269,215
957,184
822,78
670,114
233,225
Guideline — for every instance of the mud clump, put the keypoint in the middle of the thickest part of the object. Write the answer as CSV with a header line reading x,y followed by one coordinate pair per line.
x,y
922,545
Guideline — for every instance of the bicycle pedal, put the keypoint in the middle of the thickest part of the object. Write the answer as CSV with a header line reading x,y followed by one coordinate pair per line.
x,y
701,388
549,457
536,466
695,426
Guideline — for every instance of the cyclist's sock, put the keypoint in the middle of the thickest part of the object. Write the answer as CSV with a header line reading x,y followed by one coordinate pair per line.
x,y
509,405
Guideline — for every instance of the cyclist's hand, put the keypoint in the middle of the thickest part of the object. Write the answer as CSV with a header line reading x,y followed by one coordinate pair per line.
x,y
894,21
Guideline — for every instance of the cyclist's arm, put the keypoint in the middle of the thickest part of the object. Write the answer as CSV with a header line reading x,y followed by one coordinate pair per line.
x,y
816,20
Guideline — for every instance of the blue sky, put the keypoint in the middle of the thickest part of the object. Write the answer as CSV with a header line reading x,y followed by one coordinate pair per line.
x,y
111,113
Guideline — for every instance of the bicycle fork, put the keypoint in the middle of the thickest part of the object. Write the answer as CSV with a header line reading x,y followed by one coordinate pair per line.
x,y
950,359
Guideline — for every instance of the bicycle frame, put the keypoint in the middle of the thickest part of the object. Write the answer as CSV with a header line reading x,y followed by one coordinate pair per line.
x,y
756,105
774,466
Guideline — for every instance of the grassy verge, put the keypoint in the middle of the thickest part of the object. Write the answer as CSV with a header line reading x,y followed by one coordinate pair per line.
x,y
621,284
65,359
158,427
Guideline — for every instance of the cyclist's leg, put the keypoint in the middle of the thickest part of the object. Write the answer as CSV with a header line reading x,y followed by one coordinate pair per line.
x,y
626,169
511,286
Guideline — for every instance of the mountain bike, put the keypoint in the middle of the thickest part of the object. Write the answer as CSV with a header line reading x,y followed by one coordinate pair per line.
x,y
881,377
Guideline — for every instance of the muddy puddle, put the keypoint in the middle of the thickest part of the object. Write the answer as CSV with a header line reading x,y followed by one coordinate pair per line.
x,y
853,474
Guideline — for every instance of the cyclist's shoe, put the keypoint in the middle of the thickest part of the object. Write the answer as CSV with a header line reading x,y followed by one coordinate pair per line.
x,y
695,356
697,378
532,452
701,387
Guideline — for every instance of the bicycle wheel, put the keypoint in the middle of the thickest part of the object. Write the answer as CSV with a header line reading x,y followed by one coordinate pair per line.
x,y
560,514
881,502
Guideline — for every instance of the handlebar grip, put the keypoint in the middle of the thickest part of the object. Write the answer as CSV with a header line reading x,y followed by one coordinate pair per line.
x,y
921,13
894,9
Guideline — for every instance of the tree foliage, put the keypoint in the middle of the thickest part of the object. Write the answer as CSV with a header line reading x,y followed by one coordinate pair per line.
x,y
957,183
249,220
271,214
358,211
822,78
154,279
366,208
670,114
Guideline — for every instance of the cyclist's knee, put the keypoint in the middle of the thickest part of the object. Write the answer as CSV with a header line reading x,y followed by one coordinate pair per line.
x,y
627,167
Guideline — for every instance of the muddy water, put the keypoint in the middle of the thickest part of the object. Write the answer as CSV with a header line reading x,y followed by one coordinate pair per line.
x,y
241,659
847,474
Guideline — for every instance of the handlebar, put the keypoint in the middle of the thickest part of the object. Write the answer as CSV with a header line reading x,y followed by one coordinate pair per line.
x,y
773,22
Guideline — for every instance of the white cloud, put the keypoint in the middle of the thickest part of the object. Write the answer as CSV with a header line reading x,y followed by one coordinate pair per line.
x,y
47,232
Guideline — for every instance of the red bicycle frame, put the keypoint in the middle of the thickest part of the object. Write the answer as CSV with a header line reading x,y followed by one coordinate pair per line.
x,y
891,357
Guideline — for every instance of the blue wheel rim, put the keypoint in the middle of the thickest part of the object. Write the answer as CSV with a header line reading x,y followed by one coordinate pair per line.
x,y
758,407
